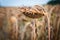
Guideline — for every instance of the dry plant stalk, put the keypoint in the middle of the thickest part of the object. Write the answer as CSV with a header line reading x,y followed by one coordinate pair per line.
x,y
39,12
13,25
55,12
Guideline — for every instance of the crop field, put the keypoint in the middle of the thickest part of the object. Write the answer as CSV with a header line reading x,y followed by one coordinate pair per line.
x,y
30,23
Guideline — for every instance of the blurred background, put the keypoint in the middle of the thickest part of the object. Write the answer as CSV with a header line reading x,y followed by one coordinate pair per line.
x,y
22,27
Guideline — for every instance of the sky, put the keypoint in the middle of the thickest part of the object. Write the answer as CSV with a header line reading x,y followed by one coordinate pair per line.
x,y
22,2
